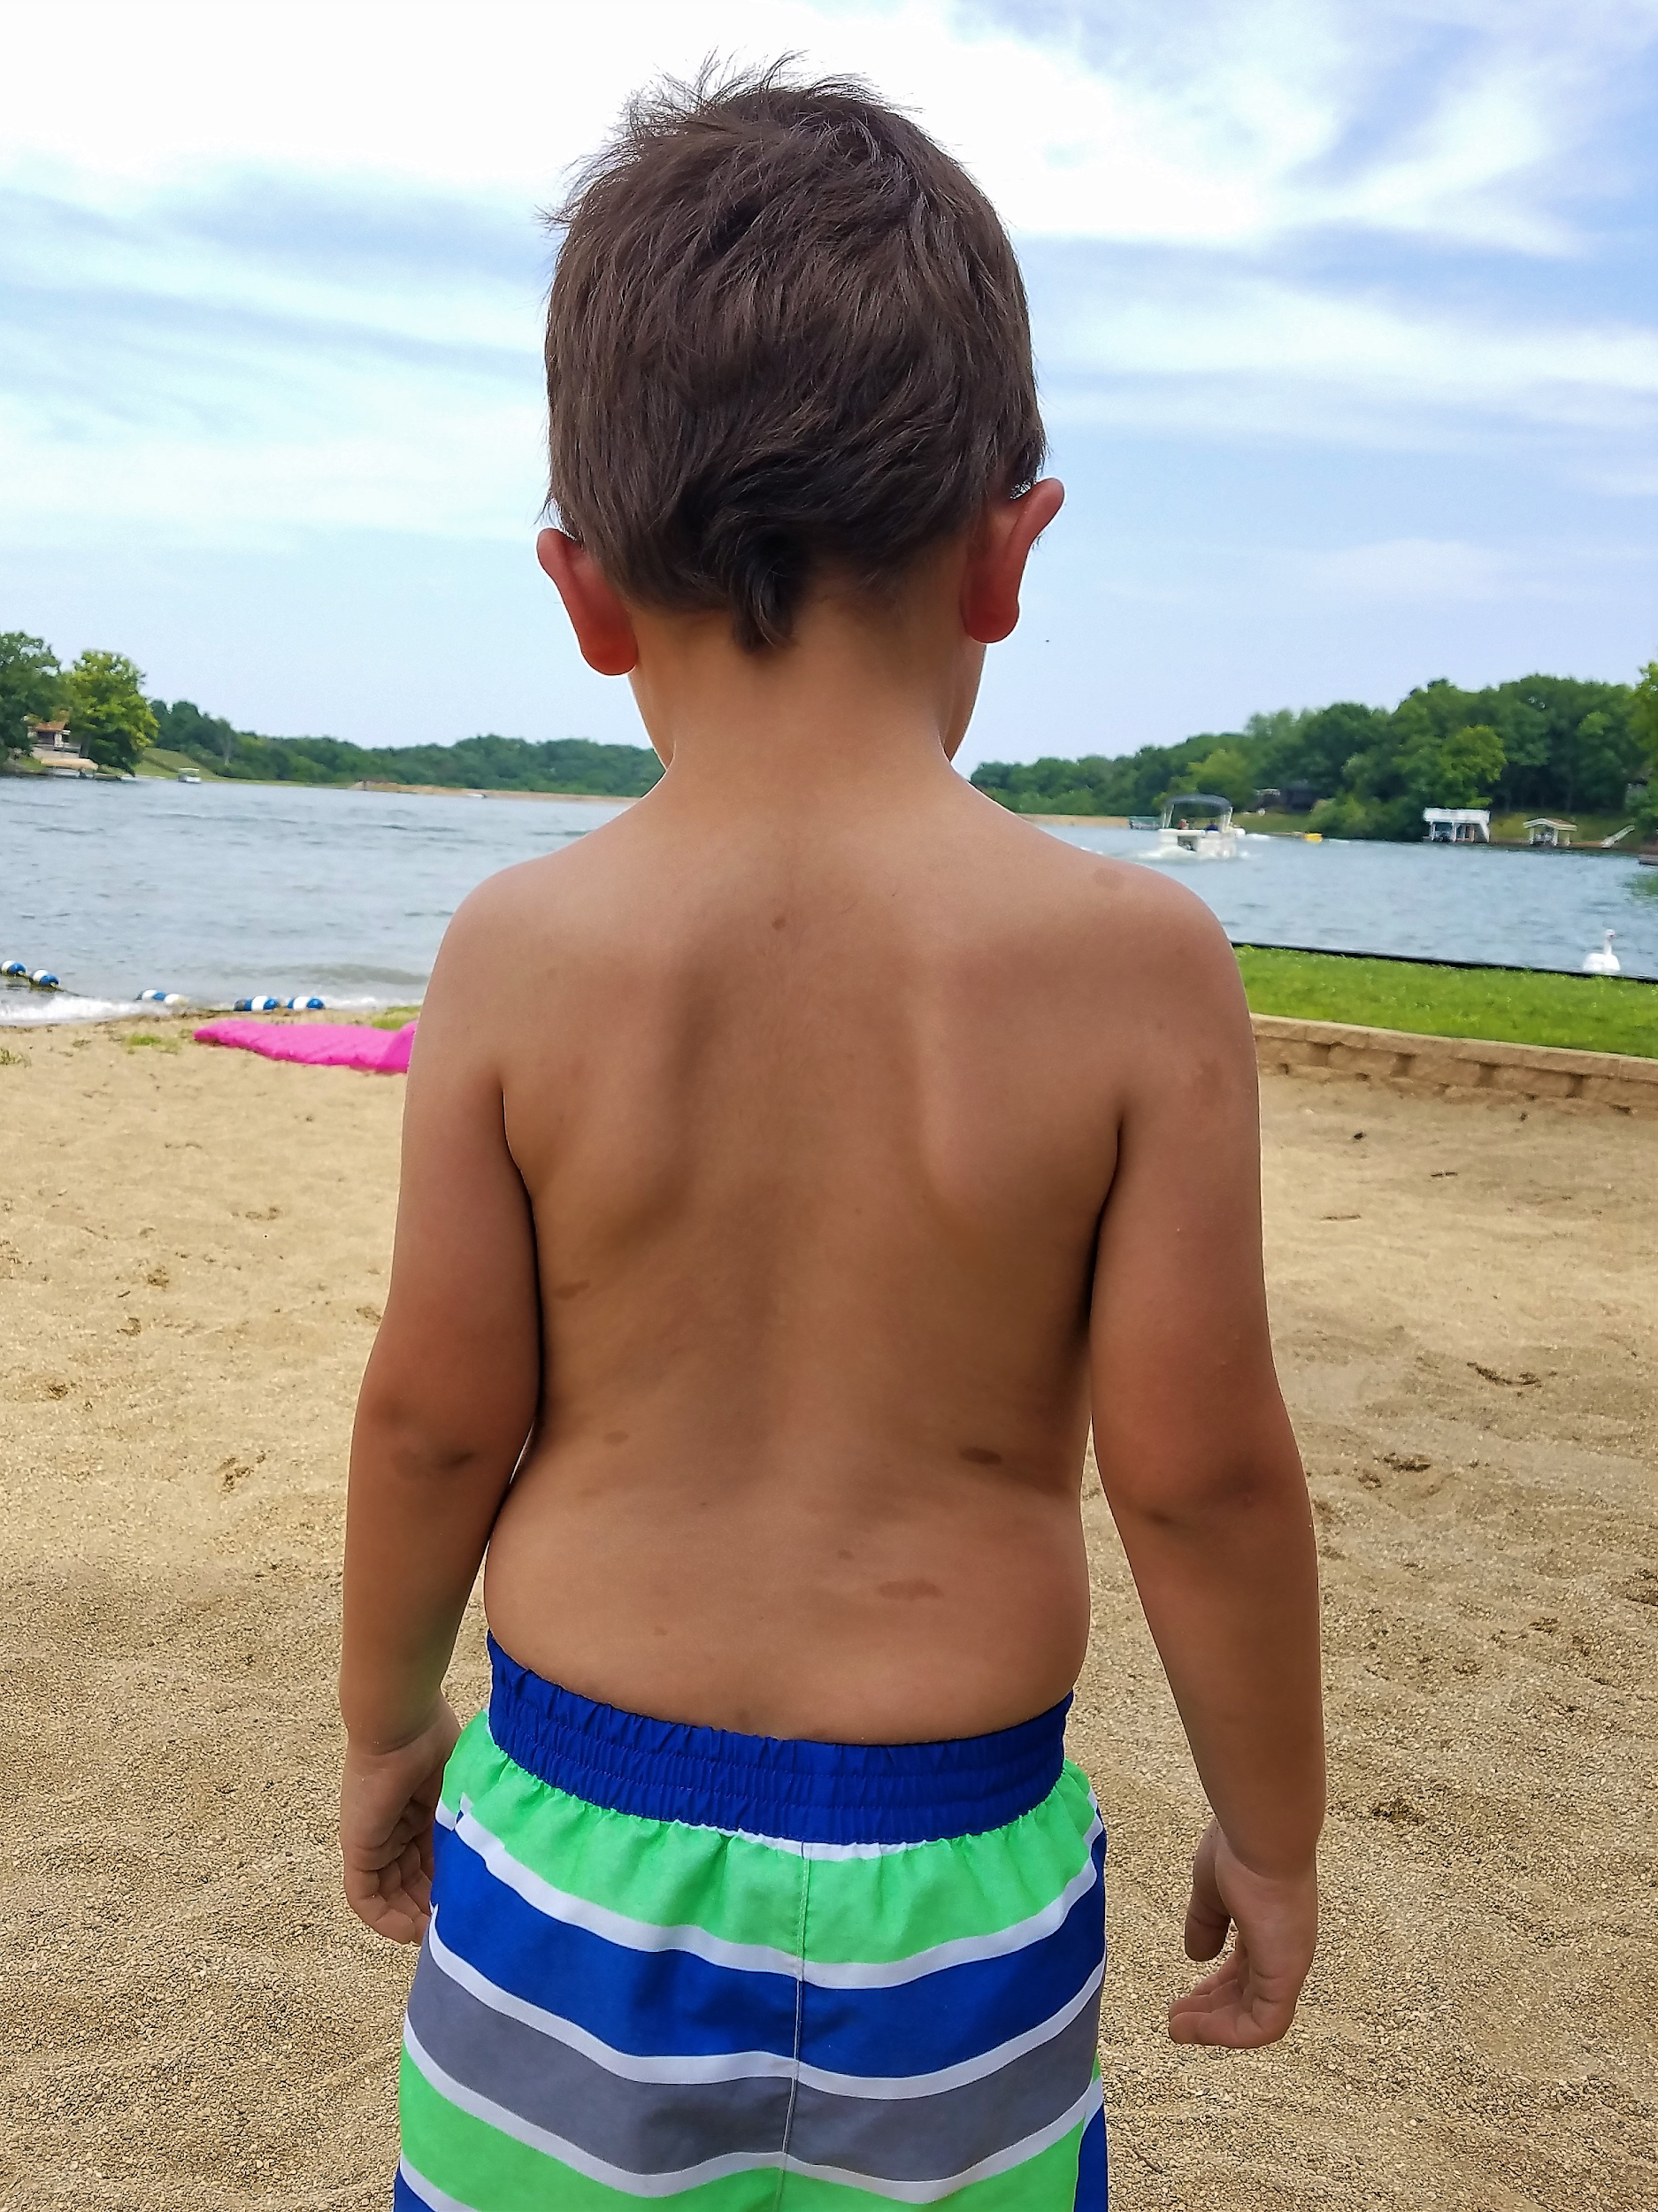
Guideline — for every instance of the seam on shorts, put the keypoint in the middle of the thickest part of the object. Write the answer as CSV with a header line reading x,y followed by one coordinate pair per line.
x,y
800,2026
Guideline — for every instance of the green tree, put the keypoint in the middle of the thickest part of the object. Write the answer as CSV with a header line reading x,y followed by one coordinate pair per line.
x,y
1460,769
108,712
1227,772
1643,721
1643,714
29,683
183,729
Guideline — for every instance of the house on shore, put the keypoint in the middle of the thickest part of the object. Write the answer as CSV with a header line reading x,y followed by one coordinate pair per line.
x,y
1548,835
51,744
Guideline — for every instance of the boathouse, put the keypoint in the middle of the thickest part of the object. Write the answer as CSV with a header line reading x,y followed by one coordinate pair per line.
x,y
1457,825
1549,834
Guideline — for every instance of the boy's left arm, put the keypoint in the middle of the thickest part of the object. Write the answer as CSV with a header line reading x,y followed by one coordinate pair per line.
x,y
446,1402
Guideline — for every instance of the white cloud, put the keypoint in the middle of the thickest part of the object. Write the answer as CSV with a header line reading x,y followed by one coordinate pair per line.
x,y
280,268
1225,125
1403,569
1454,571
1238,351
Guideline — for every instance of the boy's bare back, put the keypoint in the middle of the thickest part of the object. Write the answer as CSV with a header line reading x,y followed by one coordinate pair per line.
x,y
792,1168
816,1114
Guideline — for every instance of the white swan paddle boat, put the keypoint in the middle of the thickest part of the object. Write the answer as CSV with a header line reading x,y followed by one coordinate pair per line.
x,y
1180,838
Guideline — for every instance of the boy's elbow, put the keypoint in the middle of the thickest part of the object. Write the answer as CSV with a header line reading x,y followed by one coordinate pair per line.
x,y
1174,1493
413,1435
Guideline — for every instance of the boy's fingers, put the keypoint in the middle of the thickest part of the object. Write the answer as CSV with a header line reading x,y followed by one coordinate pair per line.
x,y
1234,2027
393,1901
1231,2008
1206,1927
1230,2021
1210,1990
1207,1918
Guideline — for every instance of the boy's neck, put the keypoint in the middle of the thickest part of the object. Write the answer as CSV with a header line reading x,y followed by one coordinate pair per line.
x,y
863,704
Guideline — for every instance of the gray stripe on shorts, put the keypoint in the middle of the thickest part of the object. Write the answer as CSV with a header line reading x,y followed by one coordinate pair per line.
x,y
926,2139
643,2127
658,2127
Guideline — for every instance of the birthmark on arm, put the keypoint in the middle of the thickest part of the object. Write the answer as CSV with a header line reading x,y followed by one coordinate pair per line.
x,y
572,1290
979,1455
914,1586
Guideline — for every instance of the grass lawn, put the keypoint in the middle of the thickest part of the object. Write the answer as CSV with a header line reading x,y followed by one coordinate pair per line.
x,y
1508,829
156,760
1593,1013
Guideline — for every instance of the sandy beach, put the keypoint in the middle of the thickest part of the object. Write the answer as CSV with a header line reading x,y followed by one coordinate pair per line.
x,y
193,1248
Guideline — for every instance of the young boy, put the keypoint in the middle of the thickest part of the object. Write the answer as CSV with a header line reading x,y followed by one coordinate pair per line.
x,y
790,1169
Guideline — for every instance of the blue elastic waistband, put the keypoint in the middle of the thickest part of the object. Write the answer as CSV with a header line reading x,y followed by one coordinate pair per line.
x,y
771,1785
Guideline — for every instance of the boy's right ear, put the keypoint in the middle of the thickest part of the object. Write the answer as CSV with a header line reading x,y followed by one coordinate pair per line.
x,y
604,628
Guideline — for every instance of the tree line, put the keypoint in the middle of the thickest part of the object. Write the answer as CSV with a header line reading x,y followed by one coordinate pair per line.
x,y
1554,744
1543,744
101,695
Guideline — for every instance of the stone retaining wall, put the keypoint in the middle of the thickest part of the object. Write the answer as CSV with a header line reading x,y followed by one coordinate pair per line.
x,y
1456,1067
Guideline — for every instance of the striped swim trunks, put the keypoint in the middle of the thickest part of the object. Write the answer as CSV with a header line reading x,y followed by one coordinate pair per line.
x,y
739,1974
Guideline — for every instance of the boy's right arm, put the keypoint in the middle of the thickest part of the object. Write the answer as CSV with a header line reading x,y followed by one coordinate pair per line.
x,y
1204,1480
446,1405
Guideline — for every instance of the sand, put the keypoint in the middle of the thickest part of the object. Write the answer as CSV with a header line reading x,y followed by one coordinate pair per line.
x,y
192,1255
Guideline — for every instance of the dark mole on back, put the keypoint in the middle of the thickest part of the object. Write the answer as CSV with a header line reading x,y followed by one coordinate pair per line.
x,y
780,921
977,1455
570,1290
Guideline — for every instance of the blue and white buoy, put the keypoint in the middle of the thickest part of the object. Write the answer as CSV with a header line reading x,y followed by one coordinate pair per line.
x,y
257,1005
161,998
304,1005
13,967
43,980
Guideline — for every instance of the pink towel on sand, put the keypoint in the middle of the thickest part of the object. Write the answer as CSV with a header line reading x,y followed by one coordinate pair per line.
x,y
318,1044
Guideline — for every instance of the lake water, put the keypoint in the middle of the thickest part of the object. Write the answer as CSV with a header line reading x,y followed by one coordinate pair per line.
x,y
223,891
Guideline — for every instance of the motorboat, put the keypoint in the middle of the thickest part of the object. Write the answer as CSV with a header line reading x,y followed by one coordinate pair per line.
x,y
1182,835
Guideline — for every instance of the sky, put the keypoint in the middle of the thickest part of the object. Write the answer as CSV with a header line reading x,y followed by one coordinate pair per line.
x,y
1344,312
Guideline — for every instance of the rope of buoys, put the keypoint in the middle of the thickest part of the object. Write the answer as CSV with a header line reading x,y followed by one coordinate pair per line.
x,y
301,1003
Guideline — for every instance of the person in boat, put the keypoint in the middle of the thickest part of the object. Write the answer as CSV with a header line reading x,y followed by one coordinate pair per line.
x,y
791,1168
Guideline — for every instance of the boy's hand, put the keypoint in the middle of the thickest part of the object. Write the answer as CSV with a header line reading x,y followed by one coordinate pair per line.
x,y
387,1800
1251,1999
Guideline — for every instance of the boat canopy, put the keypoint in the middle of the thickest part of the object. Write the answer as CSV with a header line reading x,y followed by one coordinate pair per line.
x,y
1184,803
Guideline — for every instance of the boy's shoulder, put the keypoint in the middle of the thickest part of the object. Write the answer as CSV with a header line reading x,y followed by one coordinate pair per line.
x,y
551,888
1118,915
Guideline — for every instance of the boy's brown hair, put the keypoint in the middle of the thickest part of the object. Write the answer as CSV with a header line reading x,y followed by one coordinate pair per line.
x,y
786,337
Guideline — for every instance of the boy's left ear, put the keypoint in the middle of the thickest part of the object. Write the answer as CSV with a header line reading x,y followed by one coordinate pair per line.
x,y
604,628
995,562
